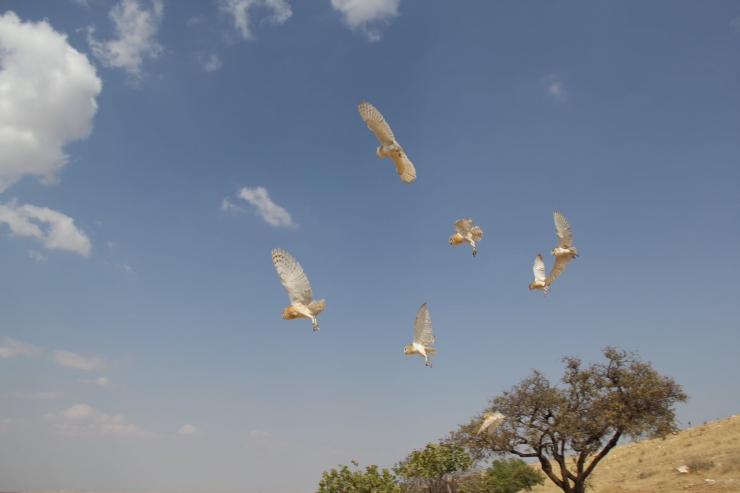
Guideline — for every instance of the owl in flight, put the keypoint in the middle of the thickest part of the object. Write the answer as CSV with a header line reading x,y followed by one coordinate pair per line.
x,y
388,144
295,281
466,233
423,337
491,422
564,252
540,279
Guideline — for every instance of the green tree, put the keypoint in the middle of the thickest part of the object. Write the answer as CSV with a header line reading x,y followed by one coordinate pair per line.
x,y
512,475
346,481
584,417
434,469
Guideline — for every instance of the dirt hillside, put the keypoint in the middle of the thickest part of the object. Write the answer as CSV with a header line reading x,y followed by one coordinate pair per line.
x,y
710,451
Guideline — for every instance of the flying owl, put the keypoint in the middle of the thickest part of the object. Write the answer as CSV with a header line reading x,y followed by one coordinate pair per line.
x,y
466,233
296,283
491,422
564,252
388,144
423,337
540,279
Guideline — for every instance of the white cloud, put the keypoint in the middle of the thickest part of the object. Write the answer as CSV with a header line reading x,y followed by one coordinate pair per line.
x,y
10,425
83,420
47,99
68,359
272,213
136,28
61,233
39,396
239,10
209,63
37,256
554,86
264,442
367,16
100,381
227,206
12,347
189,430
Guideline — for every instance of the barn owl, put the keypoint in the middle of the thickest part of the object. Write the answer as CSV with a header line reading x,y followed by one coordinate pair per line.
x,y
564,252
466,233
540,279
423,337
296,283
388,144
491,422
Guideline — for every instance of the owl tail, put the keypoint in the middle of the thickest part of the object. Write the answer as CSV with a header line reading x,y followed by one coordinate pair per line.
x,y
477,233
317,307
430,350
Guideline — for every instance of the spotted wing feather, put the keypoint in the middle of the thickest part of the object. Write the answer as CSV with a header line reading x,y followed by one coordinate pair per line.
x,y
539,268
562,229
423,327
292,276
405,169
491,422
558,267
463,226
376,123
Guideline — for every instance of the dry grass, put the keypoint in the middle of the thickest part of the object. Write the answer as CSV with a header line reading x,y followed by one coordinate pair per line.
x,y
711,451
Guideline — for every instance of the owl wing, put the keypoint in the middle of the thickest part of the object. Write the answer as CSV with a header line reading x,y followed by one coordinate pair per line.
x,y
405,169
558,267
377,124
562,228
292,276
423,327
491,422
463,226
539,268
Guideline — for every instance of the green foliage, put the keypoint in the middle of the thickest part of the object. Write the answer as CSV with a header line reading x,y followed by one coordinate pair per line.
x,y
346,481
512,475
435,468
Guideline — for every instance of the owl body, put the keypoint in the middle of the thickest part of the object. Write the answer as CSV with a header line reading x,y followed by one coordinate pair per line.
x,y
540,279
565,251
423,336
466,233
491,421
389,146
302,304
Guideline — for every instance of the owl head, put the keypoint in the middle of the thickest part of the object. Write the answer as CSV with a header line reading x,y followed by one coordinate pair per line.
x,y
532,285
289,313
456,239
552,252
408,349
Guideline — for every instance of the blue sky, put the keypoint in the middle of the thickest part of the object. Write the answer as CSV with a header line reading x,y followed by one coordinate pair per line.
x,y
141,343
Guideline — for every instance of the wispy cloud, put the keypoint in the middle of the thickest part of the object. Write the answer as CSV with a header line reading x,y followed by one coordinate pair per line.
x,y
37,256
189,430
68,359
12,347
83,420
367,16
209,62
100,381
53,229
272,213
554,86
227,206
47,99
240,11
736,22
265,442
136,28
39,396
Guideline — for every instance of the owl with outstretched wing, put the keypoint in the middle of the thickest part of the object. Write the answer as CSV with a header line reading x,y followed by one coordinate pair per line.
x,y
423,336
388,144
466,233
296,283
565,251
491,422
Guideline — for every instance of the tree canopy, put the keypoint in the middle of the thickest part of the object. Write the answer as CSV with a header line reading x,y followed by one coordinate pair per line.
x,y
584,416
434,469
344,480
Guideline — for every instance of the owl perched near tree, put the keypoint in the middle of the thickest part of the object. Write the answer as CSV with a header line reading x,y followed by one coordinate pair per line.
x,y
540,278
423,337
491,422
296,283
466,233
564,252
388,144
